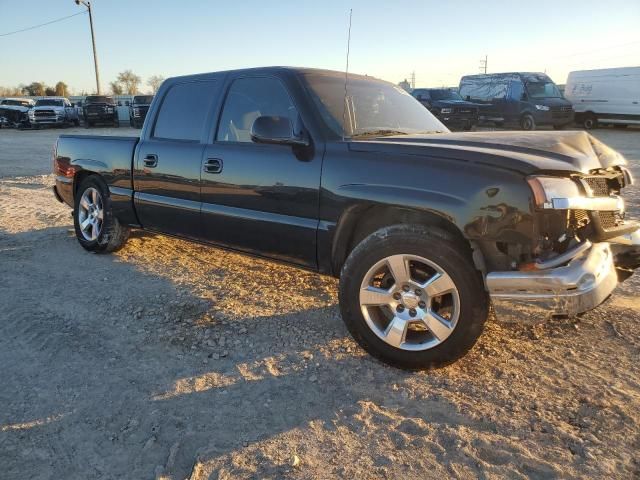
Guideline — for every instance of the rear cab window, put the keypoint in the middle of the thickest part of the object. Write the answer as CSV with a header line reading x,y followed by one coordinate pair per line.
x,y
184,110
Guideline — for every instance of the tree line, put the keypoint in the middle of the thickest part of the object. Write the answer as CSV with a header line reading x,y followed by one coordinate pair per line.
x,y
126,83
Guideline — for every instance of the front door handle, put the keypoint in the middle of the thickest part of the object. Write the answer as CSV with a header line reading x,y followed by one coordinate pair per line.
x,y
213,165
151,161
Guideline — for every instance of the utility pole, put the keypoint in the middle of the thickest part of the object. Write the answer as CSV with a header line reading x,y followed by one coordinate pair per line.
x,y
93,41
483,64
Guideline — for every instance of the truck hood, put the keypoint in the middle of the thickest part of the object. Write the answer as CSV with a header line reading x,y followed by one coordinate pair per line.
x,y
49,107
452,103
524,152
17,108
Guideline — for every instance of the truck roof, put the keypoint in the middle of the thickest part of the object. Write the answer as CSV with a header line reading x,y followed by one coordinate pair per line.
x,y
275,69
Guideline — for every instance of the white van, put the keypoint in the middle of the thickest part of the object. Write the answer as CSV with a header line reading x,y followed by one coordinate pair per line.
x,y
605,96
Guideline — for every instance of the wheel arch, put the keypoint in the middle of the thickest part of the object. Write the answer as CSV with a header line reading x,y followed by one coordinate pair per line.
x,y
359,221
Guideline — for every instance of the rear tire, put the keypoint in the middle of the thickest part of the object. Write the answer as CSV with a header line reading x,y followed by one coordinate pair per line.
x,y
422,342
590,121
527,122
96,228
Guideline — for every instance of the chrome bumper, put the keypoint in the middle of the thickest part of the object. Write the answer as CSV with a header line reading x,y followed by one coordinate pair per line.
x,y
580,285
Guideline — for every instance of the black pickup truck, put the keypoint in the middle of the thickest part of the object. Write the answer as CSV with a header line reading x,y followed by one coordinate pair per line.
x,y
425,228
100,109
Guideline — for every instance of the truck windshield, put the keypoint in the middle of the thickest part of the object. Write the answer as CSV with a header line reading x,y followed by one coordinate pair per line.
x,y
99,99
543,90
143,99
49,103
444,94
371,107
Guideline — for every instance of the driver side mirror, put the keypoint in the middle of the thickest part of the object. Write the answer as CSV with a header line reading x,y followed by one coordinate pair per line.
x,y
276,131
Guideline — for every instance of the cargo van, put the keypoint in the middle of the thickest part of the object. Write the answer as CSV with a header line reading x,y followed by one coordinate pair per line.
x,y
605,96
518,99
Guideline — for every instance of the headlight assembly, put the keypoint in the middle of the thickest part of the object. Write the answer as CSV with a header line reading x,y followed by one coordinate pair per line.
x,y
544,108
446,110
559,193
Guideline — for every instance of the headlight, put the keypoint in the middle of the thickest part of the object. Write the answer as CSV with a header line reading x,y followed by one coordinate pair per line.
x,y
544,108
446,110
109,109
547,189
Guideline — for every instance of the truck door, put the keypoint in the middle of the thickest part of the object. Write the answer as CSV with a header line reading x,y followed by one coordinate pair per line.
x,y
259,198
167,170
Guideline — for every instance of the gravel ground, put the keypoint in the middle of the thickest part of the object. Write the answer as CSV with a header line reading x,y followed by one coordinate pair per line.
x,y
170,360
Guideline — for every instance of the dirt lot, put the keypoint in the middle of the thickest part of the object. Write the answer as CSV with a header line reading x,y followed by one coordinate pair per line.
x,y
170,360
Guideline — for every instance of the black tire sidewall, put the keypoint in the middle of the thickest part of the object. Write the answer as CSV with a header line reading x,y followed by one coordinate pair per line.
x,y
527,117
443,250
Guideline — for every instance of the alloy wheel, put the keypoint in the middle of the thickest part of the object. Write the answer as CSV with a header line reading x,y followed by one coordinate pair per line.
x,y
91,214
409,302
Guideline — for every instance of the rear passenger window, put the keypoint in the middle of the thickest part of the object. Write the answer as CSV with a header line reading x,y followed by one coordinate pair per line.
x,y
184,111
248,99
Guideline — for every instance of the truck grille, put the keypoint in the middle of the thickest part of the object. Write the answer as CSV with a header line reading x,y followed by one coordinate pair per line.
x,y
599,186
561,112
44,113
608,220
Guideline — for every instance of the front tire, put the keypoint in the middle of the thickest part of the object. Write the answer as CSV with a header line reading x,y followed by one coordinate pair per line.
x,y
411,297
527,122
96,228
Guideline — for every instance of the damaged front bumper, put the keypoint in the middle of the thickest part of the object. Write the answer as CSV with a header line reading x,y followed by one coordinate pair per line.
x,y
581,284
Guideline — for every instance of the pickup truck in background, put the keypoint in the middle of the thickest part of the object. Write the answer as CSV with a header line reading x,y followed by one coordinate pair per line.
x,y
100,109
449,107
14,112
138,109
53,111
424,228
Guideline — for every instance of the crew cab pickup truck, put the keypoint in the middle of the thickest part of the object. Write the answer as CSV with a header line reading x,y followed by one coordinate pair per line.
x,y
425,228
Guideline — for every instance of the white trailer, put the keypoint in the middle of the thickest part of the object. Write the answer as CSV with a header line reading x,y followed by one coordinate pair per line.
x,y
605,96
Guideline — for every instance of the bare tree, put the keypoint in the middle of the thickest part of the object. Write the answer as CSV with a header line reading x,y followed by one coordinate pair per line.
x,y
116,88
11,91
154,82
61,89
35,89
129,81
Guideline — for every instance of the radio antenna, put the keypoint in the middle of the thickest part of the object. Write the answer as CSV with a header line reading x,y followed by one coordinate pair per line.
x,y
346,78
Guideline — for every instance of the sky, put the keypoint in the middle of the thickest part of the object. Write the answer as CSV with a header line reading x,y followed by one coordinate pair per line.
x,y
438,40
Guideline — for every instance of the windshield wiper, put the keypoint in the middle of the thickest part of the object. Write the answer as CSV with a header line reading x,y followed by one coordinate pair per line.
x,y
378,133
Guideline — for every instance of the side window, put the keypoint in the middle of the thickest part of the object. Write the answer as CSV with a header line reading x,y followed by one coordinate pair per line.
x,y
516,90
184,111
248,99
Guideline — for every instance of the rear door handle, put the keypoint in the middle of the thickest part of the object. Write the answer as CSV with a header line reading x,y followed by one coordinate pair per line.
x,y
151,161
213,165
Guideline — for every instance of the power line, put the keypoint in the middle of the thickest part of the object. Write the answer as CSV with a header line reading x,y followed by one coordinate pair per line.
x,y
41,24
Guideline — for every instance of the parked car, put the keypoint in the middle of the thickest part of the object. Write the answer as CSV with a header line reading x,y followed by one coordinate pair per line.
x,y
14,112
53,111
423,229
100,109
605,96
518,99
138,109
448,107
